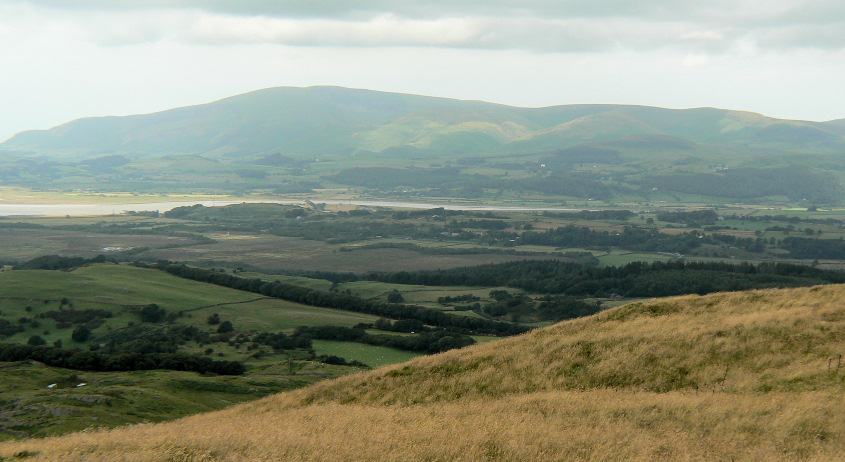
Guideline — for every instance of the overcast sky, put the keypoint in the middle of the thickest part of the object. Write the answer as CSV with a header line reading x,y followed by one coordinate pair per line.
x,y
65,59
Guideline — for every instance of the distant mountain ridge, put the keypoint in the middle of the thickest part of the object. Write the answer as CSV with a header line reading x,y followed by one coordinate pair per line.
x,y
839,123
322,120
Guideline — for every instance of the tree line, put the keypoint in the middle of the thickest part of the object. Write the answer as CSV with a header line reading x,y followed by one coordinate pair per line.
x,y
426,342
313,297
802,247
102,362
630,237
638,279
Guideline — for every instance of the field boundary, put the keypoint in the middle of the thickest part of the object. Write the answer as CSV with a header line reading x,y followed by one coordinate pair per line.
x,y
226,303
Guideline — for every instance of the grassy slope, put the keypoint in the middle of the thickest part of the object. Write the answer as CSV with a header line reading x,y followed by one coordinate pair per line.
x,y
740,376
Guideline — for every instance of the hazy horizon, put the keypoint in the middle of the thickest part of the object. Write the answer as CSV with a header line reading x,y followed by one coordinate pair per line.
x,y
97,58
369,89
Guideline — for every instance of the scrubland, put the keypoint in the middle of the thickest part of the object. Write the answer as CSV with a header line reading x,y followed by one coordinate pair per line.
x,y
729,376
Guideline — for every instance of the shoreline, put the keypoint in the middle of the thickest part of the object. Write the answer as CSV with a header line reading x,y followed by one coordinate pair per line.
x,y
92,209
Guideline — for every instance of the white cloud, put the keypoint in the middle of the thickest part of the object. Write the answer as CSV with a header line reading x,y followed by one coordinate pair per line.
x,y
695,61
705,35
385,30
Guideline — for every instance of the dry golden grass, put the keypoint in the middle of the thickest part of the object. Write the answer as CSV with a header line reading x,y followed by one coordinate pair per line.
x,y
738,376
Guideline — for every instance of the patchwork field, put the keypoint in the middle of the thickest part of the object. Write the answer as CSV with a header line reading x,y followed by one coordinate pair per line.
x,y
279,238
22,245
298,254
51,305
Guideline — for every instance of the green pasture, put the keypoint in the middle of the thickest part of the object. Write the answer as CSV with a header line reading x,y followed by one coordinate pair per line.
x,y
311,283
122,289
371,355
274,315
416,294
119,289
117,284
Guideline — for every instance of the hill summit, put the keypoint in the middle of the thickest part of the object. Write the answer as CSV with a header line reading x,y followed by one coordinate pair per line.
x,y
321,120
742,376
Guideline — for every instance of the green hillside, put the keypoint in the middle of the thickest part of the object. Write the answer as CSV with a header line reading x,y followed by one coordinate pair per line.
x,y
318,119
330,120
838,123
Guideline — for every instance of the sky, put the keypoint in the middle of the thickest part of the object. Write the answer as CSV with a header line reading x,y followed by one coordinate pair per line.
x,y
65,59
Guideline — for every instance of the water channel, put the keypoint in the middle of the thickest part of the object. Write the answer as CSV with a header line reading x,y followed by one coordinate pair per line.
x,y
111,209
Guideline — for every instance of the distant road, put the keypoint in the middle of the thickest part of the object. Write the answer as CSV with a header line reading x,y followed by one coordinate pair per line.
x,y
108,209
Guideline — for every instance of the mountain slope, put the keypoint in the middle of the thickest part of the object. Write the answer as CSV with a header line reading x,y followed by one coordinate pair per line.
x,y
284,118
741,376
321,120
838,123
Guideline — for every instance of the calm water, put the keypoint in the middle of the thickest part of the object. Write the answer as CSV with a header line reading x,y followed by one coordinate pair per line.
x,y
94,209
107,209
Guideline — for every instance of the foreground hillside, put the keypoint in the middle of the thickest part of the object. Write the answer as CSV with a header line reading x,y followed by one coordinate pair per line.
x,y
740,376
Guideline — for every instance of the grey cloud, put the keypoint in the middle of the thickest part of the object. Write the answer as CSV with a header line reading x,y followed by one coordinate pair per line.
x,y
817,12
829,37
390,30
644,9
565,26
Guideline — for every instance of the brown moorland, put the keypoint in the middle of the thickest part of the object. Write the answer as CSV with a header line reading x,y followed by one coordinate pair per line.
x,y
730,376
